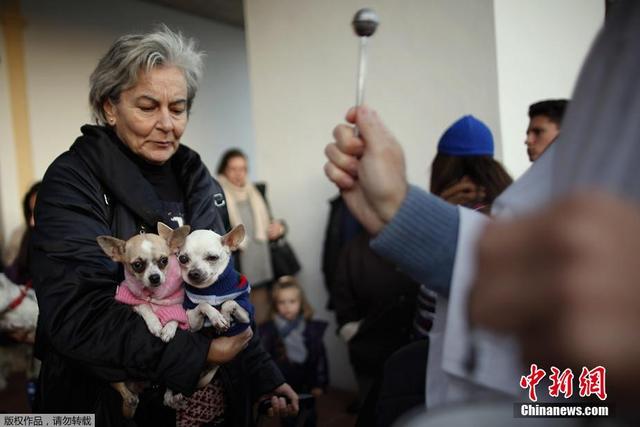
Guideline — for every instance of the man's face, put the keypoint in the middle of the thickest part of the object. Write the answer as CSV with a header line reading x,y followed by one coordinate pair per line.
x,y
540,134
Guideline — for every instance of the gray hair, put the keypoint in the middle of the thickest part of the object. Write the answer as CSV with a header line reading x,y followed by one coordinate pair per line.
x,y
118,69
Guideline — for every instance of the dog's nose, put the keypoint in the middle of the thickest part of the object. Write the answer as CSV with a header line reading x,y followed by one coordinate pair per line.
x,y
154,279
195,275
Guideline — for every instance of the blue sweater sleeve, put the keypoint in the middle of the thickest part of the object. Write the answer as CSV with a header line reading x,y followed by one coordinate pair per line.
x,y
421,239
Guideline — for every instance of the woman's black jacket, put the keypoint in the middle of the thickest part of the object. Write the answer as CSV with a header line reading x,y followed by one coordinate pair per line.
x,y
86,339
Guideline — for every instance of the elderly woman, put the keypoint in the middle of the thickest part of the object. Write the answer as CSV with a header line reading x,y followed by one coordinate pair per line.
x,y
247,205
119,178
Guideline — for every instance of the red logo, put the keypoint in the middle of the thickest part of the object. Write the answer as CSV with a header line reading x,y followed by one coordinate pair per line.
x,y
561,383
591,382
532,380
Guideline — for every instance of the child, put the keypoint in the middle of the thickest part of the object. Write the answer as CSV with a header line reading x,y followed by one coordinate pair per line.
x,y
295,340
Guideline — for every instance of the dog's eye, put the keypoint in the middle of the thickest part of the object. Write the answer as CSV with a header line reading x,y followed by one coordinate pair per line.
x,y
137,266
183,259
212,258
162,262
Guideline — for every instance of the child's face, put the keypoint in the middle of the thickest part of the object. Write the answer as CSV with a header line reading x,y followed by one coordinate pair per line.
x,y
288,303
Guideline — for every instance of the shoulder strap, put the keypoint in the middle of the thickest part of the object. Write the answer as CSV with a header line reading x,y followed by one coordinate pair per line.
x,y
221,204
262,189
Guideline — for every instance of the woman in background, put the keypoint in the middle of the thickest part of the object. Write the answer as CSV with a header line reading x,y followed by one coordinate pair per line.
x,y
17,344
18,270
247,205
464,171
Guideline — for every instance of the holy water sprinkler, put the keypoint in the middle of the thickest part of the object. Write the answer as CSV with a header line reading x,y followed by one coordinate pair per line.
x,y
364,24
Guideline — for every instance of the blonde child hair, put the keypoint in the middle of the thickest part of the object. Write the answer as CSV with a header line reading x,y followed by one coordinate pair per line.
x,y
290,282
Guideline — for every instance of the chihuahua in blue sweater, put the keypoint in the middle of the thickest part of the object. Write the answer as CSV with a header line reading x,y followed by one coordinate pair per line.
x,y
215,293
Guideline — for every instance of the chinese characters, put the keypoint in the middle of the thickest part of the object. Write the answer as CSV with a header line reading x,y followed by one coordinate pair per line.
x,y
591,382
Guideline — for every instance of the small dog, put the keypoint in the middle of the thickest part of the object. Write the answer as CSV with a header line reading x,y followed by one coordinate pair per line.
x,y
214,290
216,295
152,285
18,306
18,311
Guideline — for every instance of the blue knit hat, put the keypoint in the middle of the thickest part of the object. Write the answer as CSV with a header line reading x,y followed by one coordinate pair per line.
x,y
467,137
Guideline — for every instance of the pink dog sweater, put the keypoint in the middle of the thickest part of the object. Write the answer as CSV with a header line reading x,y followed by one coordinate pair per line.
x,y
165,300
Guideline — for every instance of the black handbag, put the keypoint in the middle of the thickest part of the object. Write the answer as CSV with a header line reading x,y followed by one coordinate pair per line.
x,y
283,259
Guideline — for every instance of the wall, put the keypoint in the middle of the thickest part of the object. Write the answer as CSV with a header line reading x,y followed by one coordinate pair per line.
x,y
430,63
541,46
63,42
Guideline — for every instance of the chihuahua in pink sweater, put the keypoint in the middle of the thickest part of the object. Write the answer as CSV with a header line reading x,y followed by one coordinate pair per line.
x,y
152,285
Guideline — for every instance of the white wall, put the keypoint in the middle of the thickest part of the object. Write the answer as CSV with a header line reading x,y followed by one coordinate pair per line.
x,y
430,63
541,46
63,42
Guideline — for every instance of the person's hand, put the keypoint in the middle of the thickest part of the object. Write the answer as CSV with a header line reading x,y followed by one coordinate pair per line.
x,y
369,170
225,349
275,230
349,330
567,282
279,406
464,192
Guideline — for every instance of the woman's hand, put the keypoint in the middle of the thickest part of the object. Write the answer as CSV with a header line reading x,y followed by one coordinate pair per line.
x,y
225,349
464,192
275,230
279,406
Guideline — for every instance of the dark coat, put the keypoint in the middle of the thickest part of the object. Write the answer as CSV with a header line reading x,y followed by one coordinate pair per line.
x,y
314,372
342,226
86,339
371,289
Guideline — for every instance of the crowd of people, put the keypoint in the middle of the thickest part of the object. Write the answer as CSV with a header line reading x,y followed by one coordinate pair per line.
x,y
441,296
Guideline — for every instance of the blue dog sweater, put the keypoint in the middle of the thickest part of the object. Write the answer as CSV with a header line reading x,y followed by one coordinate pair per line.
x,y
230,285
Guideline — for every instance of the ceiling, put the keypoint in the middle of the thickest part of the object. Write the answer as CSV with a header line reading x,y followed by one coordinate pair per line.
x,y
229,12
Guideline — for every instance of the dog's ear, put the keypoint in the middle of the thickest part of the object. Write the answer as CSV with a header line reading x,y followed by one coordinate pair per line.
x,y
233,238
113,247
178,237
164,231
